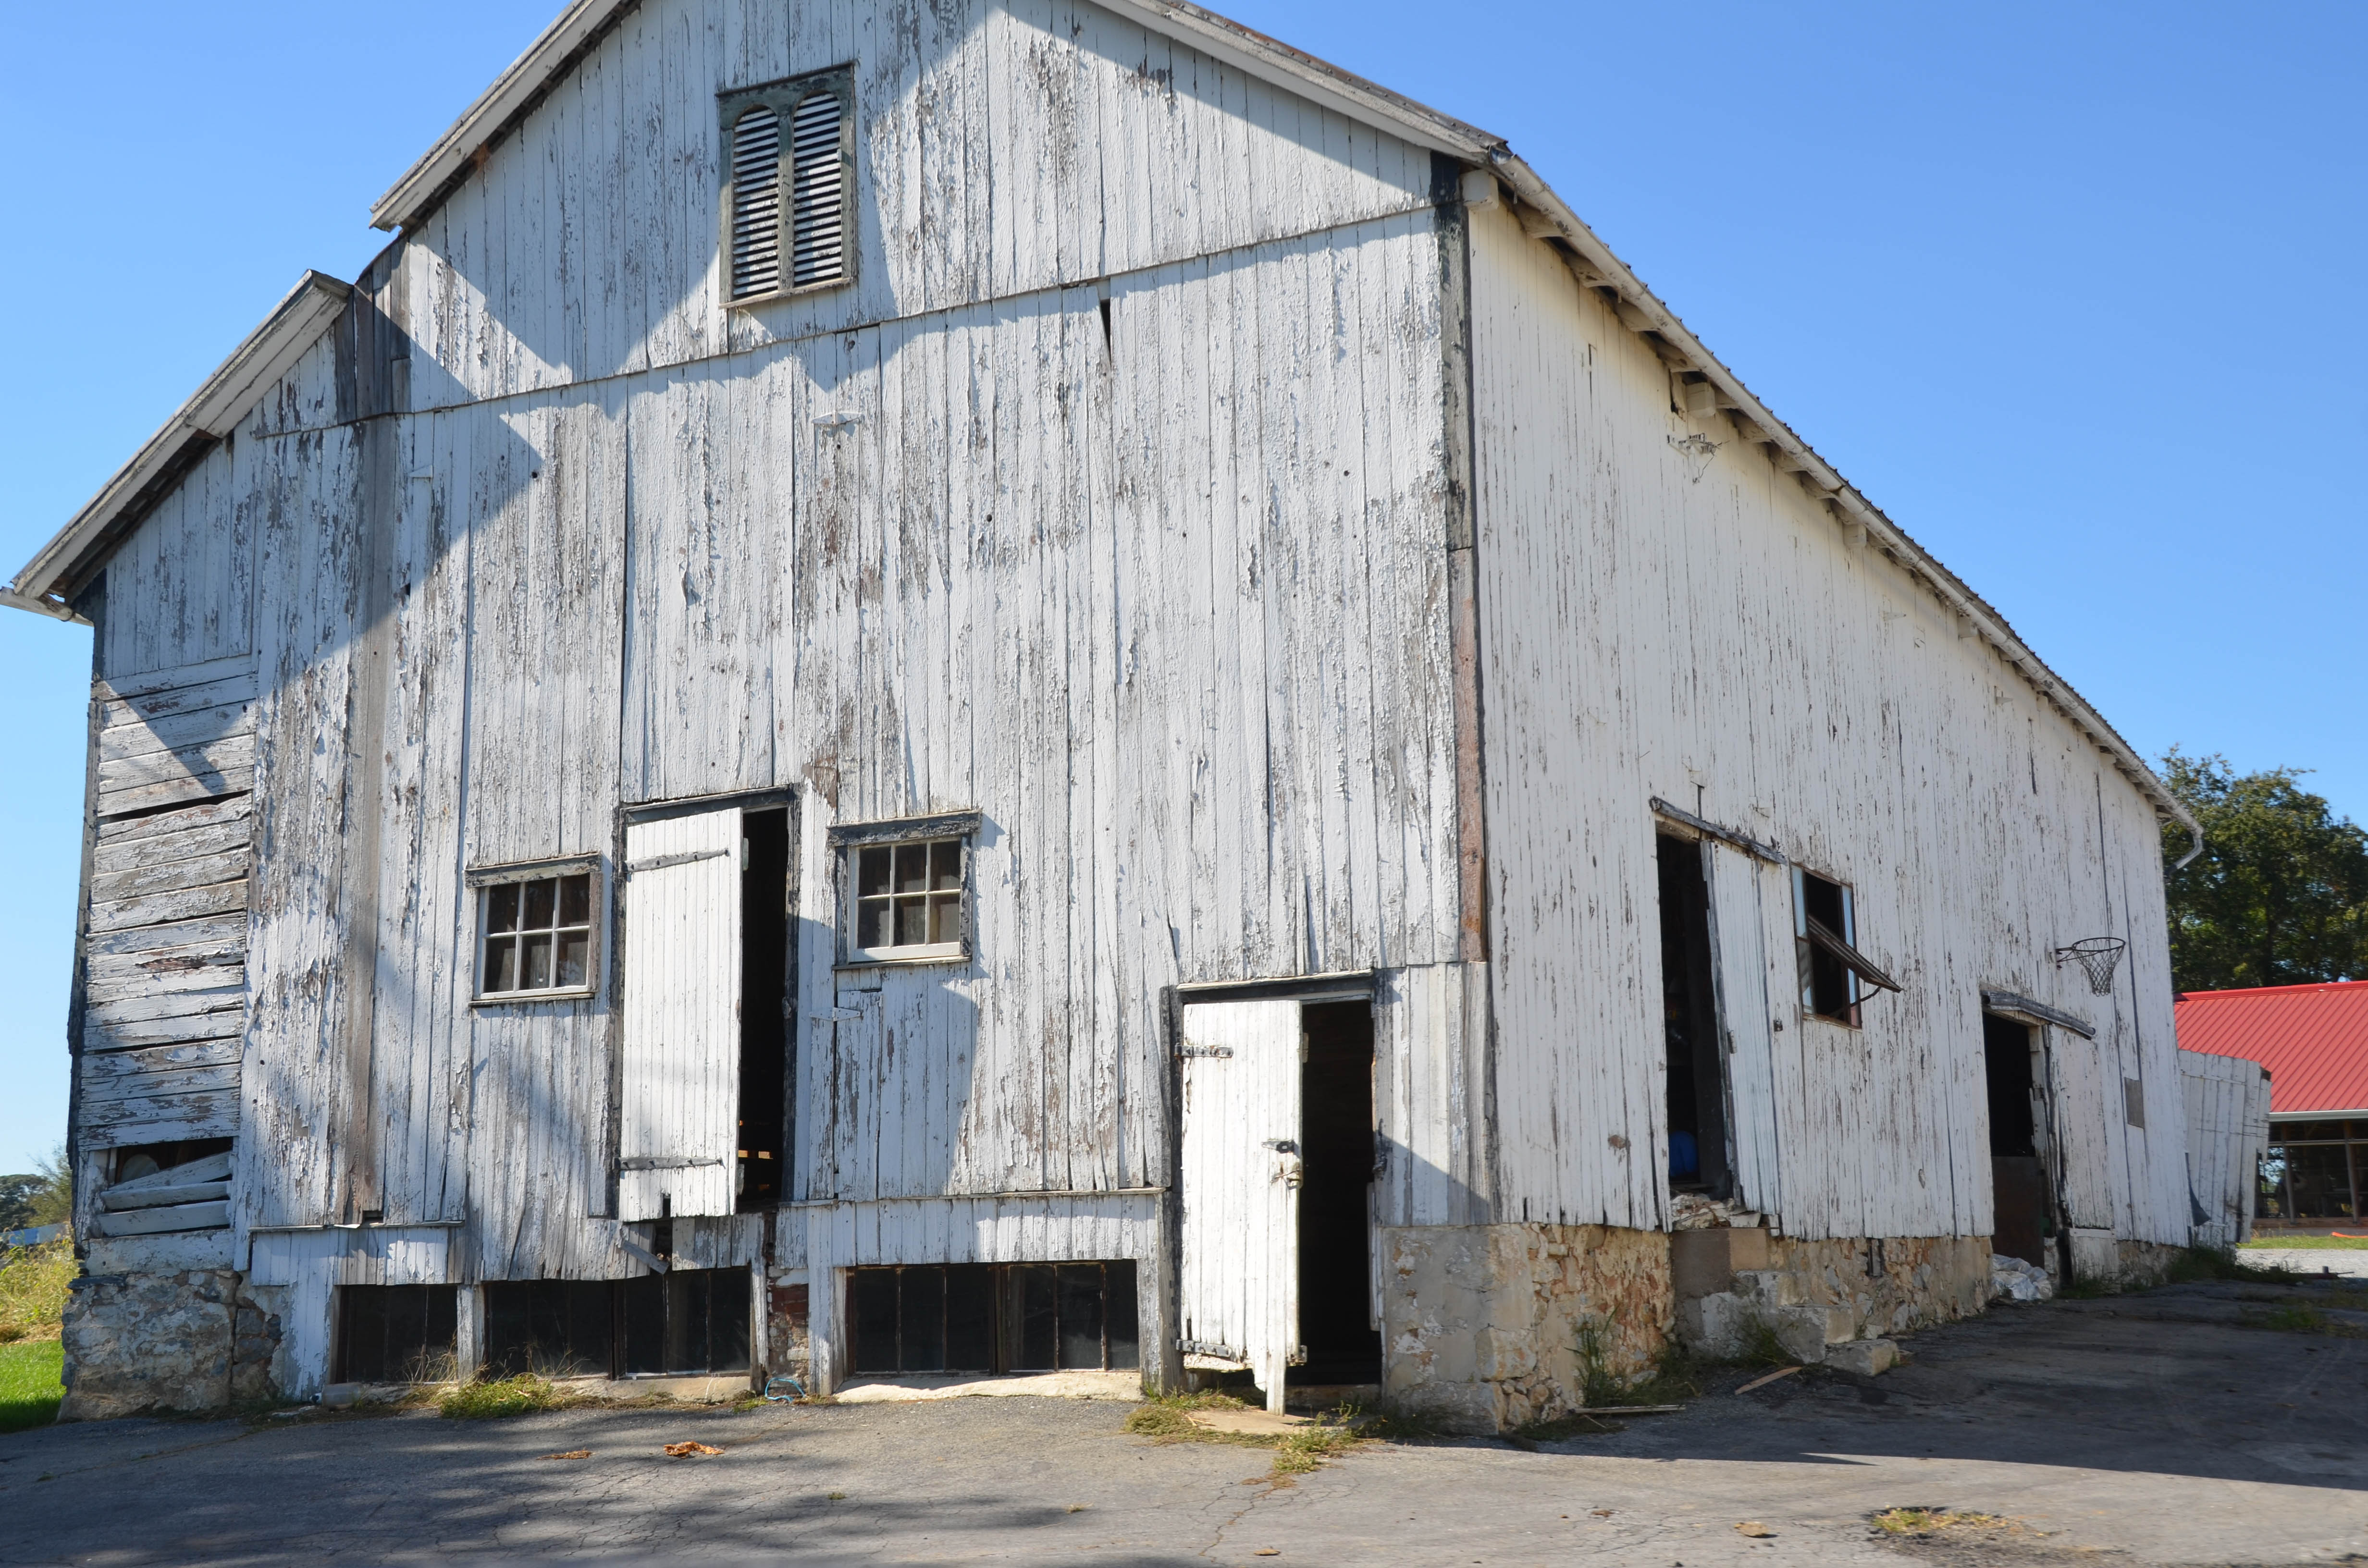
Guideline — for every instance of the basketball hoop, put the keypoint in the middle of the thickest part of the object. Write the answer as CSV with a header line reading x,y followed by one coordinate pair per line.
x,y
2099,956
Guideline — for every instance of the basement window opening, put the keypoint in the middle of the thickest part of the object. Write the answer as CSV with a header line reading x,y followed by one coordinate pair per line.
x,y
685,1323
993,1318
397,1333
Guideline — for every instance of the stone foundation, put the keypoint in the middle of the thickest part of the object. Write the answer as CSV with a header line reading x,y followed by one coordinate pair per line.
x,y
1814,1296
1482,1326
149,1342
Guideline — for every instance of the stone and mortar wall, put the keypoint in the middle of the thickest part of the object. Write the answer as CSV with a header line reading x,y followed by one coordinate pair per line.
x,y
1924,1279
1481,1325
141,1341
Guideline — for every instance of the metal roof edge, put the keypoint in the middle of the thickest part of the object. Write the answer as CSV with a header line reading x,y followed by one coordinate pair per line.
x,y
2296,989
212,412
1853,509
1300,72
545,60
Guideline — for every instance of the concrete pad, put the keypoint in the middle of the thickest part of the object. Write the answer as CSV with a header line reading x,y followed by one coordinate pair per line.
x,y
2109,1430
2342,1263
1043,1385
1262,1423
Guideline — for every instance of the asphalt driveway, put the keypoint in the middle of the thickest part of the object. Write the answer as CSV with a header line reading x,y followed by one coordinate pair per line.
x,y
2219,1425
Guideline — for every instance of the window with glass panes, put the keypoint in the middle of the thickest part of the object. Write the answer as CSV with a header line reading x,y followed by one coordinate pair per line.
x,y
908,899
537,936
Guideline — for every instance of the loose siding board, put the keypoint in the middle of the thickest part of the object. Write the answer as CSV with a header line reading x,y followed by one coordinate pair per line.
x,y
2228,1113
1665,623
164,1001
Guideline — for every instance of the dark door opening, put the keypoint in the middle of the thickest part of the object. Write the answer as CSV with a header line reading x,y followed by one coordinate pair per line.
x,y
2017,1178
992,1317
764,994
1696,1076
685,1320
1336,1226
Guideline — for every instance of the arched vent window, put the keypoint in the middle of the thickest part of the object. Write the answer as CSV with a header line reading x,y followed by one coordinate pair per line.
x,y
756,203
817,192
786,197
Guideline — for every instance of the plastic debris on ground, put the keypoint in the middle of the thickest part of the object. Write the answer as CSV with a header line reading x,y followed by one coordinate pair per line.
x,y
684,1451
2019,1281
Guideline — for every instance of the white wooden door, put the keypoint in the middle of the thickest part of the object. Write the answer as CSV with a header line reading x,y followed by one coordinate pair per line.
x,y
1740,889
679,1128
1240,1176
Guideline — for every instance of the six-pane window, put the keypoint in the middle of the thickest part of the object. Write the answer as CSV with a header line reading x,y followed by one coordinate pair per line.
x,y
908,898
538,935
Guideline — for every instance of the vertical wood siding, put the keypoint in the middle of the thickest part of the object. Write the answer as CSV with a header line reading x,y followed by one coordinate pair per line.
x,y
2228,1108
180,591
1697,630
679,1067
1001,149
1238,1264
1160,591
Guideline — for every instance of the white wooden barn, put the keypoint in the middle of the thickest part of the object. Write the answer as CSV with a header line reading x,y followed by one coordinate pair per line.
x,y
1017,684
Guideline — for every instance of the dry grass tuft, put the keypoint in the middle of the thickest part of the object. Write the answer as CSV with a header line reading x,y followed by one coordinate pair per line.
x,y
1931,1521
499,1398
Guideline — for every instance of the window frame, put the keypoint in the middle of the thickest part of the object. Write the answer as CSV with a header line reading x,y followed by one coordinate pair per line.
x,y
484,879
1805,950
783,98
850,840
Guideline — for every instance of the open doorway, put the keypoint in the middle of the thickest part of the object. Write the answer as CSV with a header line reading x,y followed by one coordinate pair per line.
x,y
1343,1344
2019,1196
1695,1078
763,993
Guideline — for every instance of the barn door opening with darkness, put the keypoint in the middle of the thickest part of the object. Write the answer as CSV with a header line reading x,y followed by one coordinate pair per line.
x,y
1744,892
1240,1171
680,1095
2018,1201
1695,1064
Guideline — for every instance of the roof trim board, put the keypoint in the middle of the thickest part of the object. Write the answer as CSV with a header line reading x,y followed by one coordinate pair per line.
x,y
224,398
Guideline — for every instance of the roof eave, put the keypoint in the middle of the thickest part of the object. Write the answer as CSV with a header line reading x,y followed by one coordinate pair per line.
x,y
269,352
1852,509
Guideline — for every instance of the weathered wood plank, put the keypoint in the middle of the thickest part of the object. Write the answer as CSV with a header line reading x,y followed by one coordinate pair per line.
x,y
127,1065
169,876
160,908
228,678
155,1001
159,1221
99,1089
124,832
170,791
114,856
126,737
211,759
214,1110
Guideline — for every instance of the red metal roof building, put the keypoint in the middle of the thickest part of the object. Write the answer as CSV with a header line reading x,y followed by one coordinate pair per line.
x,y
2314,1040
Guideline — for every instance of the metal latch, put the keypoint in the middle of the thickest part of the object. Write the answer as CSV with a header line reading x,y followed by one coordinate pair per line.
x,y
1185,1051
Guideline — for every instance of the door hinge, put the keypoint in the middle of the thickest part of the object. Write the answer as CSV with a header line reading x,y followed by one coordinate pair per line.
x,y
1185,1051
1210,1348
660,862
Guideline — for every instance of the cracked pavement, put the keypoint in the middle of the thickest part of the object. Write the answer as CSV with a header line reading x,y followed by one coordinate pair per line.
x,y
2164,1427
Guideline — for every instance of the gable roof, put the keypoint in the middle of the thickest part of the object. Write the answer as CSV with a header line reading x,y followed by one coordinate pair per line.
x,y
519,88
2313,1039
213,411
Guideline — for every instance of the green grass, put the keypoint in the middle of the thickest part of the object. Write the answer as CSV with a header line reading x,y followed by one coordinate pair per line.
x,y
2307,1243
520,1395
29,1389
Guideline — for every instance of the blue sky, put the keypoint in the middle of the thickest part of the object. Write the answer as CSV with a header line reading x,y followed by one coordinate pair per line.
x,y
2073,291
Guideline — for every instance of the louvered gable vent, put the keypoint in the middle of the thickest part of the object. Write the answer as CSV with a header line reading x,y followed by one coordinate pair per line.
x,y
817,200
787,193
756,203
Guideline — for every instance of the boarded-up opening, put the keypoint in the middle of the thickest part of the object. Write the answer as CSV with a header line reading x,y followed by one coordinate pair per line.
x,y
763,1026
2020,1222
1343,1342
1695,1081
396,1333
688,1321
988,1318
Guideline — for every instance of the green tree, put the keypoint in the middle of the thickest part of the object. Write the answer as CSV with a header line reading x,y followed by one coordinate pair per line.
x,y
51,1202
2280,895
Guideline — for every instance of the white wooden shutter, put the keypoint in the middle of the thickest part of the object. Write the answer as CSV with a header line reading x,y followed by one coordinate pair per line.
x,y
1741,890
756,203
679,1125
817,194
1240,1182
